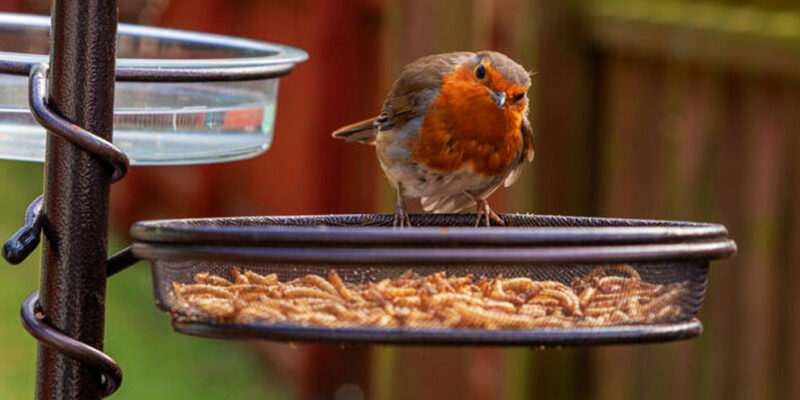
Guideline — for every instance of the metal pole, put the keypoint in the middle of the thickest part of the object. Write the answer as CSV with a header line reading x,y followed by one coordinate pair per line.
x,y
81,89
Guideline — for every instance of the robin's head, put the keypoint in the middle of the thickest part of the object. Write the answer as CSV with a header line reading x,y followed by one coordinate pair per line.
x,y
494,76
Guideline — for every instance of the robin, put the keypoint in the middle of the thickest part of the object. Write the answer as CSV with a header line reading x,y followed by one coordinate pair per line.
x,y
452,129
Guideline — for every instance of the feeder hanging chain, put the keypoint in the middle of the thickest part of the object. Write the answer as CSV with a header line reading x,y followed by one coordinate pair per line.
x,y
27,238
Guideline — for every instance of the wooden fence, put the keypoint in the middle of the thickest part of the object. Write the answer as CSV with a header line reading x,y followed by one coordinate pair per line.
x,y
683,110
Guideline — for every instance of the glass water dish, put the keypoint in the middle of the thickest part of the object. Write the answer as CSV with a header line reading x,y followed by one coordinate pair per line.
x,y
180,98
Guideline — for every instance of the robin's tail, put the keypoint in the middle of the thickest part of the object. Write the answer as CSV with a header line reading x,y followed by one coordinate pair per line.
x,y
363,132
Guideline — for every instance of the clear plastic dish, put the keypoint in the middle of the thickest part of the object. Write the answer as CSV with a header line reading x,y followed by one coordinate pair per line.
x,y
180,97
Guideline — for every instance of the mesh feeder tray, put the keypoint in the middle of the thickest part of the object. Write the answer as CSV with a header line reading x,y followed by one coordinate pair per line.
x,y
543,280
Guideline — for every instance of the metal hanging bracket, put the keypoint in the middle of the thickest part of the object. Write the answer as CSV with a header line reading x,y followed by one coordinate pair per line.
x,y
98,147
36,324
27,238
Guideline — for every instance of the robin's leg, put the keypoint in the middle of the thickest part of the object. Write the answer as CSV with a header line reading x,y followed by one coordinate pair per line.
x,y
483,210
400,214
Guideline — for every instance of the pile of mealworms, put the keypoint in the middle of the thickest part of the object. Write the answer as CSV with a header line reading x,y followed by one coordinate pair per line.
x,y
608,295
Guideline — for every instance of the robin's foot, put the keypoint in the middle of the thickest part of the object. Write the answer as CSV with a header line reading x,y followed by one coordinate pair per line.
x,y
400,214
483,211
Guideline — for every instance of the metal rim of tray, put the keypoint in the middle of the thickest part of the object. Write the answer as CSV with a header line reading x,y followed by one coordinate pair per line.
x,y
455,337
291,239
259,60
371,228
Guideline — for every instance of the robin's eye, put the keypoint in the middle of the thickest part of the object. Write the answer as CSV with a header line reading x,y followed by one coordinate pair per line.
x,y
480,72
519,97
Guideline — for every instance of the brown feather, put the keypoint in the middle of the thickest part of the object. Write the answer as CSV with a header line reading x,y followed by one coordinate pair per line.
x,y
526,153
527,139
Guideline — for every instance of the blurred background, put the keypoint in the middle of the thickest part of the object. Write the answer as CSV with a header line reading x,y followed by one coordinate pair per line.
x,y
681,110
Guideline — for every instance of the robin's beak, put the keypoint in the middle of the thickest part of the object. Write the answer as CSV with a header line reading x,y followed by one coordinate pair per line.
x,y
499,98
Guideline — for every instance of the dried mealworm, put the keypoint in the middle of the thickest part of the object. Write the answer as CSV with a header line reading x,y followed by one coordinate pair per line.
x,y
201,288
295,292
519,285
491,319
567,298
612,284
238,277
208,279
268,280
247,287
544,300
258,312
321,283
339,285
500,305
217,308
394,292
532,310
586,296
408,301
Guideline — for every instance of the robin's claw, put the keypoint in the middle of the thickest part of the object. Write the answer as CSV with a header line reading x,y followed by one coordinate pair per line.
x,y
479,217
483,211
495,217
401,218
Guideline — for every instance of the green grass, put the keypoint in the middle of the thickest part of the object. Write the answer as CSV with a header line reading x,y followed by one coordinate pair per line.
x,y
156,362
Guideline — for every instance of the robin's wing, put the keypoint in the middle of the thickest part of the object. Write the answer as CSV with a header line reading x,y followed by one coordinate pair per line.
x,y
413,91
409,97
526,152
527,138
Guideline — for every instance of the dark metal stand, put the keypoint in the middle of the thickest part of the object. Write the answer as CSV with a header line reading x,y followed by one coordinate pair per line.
x,y
76,107
76,191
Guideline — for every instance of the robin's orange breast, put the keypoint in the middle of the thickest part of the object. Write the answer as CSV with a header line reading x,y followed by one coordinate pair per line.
x,y
466,127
